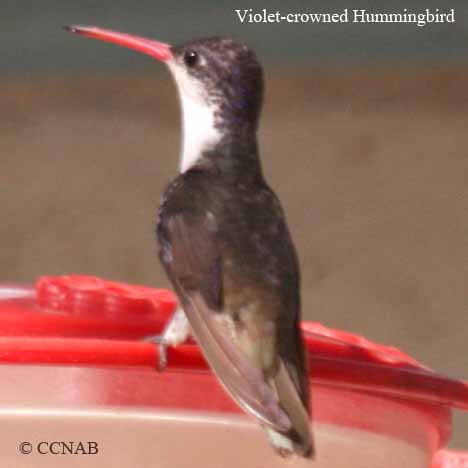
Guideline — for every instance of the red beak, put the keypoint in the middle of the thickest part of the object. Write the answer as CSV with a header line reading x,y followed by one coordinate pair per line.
x,y
155,49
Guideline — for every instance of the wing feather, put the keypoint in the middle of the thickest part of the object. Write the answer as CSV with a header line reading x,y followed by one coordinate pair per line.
x,y
193,262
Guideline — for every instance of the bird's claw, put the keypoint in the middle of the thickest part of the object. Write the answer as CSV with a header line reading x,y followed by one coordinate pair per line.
x,y
175,332
162,346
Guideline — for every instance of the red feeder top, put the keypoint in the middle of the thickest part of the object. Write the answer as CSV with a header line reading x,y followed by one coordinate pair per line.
x,y
108,315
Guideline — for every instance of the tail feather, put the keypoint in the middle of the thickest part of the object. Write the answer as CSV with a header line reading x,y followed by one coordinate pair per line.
x,y
288,444
298,439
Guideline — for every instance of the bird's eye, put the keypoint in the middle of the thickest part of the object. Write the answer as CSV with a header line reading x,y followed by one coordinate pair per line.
x,y
191,58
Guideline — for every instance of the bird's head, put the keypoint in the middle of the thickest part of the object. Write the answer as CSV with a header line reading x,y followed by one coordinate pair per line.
x,y
220,86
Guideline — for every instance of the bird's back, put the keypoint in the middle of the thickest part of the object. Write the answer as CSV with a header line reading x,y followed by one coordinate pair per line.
x,y
257,292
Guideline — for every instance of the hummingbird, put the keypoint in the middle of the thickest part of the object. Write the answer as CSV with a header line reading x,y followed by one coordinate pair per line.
x,y
224,241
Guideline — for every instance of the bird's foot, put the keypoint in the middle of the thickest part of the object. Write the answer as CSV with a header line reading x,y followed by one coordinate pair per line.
x,y
175,333
178,329
162,345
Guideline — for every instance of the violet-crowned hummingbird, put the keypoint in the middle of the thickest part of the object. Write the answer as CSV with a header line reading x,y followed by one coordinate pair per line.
x,y
224,241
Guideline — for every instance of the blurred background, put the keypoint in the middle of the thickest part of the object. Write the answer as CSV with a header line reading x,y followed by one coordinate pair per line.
x,y
364,137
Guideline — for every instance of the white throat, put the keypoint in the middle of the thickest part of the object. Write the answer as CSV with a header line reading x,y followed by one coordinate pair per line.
x,y
198,118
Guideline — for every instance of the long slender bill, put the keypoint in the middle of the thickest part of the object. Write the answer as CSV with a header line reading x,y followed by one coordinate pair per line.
x,y
155,49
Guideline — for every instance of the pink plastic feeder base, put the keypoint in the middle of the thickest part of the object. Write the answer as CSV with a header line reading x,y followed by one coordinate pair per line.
x,y
74,368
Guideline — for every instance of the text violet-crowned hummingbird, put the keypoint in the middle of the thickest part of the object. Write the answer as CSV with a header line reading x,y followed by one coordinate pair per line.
x,y
224,242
